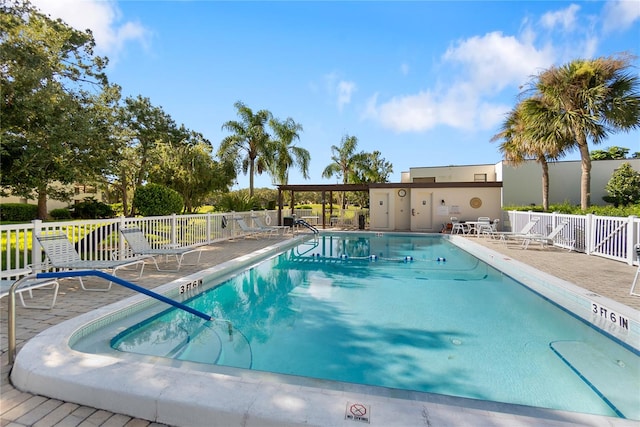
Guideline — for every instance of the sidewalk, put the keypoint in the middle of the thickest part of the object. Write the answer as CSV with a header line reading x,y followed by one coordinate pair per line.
x,y
605,277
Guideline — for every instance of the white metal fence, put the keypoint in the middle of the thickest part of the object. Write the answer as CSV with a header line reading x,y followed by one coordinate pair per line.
x,y
99,239
605,236
609,237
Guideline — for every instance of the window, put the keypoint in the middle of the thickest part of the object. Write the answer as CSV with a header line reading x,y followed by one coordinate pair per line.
x,y
425,179
479,177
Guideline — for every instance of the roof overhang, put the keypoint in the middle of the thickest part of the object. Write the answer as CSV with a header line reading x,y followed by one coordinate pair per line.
x,y
368,186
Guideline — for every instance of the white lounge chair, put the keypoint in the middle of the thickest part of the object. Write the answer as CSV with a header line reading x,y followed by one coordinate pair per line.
x,y
504,235
635,278
270,228
63,255
249,232
140,246
492,229
483,226
9,277
549,239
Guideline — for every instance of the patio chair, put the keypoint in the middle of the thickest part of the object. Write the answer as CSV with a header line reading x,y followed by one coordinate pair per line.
x,y
139,245
457,227
63,255
549,239
9,277
271,229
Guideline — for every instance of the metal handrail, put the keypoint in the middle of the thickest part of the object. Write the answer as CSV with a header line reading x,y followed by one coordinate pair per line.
x,y
306,224
11,324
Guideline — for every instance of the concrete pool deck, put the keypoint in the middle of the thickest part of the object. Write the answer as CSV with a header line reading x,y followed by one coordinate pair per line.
x,y
608,278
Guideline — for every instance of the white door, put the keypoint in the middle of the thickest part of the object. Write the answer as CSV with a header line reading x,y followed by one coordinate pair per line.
x,y
402,210
379,210
421,210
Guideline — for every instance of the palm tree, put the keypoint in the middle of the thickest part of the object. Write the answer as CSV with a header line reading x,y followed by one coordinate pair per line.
x,y
525,137
248,147
590,99
371,167
287,154
344,160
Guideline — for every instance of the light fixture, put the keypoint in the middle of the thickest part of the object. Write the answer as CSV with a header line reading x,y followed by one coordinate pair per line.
x,y
442,202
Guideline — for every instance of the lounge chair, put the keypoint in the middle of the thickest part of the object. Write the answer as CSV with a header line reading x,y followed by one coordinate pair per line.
x,y
249,232
504,235
139,245
483,226
549,239
9,277
635,278
270,228
492,229
63,255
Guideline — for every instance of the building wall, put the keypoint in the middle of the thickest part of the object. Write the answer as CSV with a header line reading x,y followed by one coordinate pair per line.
x,y
522,185
80,193
391,212
468,173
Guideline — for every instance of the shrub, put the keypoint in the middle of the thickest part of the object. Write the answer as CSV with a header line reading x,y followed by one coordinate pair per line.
x,y
61,213
91,208
624,186
236,201
154,200
18,212
567,208
118,209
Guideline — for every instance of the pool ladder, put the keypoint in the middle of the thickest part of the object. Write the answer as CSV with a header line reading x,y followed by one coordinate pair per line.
x,y
306,224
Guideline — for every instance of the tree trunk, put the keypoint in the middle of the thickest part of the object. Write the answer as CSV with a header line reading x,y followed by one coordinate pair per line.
x,y
125,196
251,169
42,203
545,183
585,181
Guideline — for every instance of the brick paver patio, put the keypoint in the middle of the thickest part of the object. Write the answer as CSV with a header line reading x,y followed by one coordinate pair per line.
x,y
608,278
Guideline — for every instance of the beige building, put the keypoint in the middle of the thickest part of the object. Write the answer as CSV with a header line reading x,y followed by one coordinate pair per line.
x,y
522,184
80,192
429,206
428,197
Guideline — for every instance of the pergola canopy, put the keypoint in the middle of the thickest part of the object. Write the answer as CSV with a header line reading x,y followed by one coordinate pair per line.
x,y
293,188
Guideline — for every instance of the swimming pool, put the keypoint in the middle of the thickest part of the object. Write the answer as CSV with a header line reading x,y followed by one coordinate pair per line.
x,y
424,328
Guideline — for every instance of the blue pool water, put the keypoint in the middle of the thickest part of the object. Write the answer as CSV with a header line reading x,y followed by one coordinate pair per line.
x,y
404,312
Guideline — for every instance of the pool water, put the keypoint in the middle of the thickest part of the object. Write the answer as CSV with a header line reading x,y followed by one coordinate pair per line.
x,y
404,312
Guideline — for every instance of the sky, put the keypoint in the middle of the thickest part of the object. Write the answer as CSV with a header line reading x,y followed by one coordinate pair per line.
x,y
425,83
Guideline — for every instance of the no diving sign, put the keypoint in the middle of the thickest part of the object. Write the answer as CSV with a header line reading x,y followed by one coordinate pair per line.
x,y
358,412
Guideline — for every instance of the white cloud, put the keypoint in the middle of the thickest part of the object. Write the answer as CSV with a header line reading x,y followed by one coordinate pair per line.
x,y
102,17
495,61
565,19
619,15
485,66
341,89
345,90
413,113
